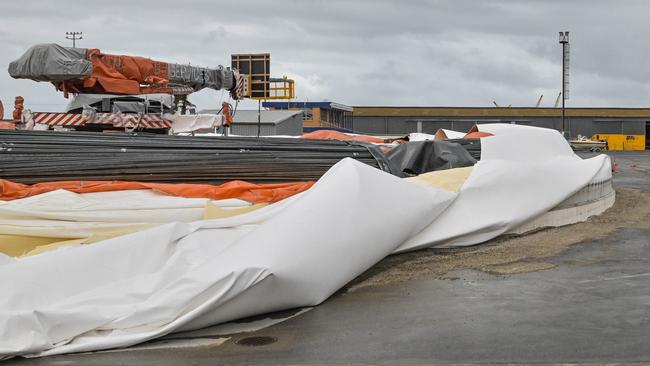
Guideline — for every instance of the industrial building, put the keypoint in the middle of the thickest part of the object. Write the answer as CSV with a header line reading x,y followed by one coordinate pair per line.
x,y
271,122
318,114
631,126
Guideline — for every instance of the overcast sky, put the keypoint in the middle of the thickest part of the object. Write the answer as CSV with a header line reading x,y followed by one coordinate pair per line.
x,y
407,53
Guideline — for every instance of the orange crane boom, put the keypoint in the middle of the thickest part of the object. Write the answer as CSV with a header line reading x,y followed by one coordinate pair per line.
x,y
77,70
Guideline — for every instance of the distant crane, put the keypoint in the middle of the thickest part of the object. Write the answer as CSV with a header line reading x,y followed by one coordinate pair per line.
x,y
557,100
539,101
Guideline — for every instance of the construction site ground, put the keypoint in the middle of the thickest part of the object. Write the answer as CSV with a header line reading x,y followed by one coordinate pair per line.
x,y
576,294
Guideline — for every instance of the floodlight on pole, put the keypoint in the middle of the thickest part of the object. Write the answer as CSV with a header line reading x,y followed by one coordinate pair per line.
x,y
564,41
74,37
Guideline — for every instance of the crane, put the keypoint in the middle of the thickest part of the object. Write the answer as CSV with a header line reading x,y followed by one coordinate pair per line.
x,y
86,71
557,100
121,79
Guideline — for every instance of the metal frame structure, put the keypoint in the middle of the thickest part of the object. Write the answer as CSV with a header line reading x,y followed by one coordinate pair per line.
x,y
281,88
74,37
260,85
564,41
257,68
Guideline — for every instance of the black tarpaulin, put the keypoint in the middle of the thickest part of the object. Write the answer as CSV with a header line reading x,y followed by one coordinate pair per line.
x,y
419,157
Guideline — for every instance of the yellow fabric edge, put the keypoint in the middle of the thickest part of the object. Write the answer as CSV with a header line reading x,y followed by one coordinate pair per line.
x,y
449,179
27,245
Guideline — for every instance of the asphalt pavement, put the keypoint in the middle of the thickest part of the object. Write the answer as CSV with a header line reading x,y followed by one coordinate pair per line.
x,y
592,307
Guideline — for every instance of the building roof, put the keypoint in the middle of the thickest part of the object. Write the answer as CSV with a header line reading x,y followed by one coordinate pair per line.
x,y
321,105
498,112
266,117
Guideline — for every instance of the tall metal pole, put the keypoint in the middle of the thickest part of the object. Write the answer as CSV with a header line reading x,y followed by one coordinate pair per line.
x,y
563,85
259,119
74,36
564,40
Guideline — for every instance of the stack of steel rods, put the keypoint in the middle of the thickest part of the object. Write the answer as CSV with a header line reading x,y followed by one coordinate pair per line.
x,y
44,156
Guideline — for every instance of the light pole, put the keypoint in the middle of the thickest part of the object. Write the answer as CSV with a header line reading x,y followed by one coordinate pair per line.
x,y
564,41
74,36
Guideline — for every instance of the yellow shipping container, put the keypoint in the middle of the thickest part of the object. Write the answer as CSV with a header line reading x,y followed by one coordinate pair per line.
x,y
622,142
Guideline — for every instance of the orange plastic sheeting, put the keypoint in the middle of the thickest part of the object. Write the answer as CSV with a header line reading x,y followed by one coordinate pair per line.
x,y
121,75
7,125
251,192
477,135
336,135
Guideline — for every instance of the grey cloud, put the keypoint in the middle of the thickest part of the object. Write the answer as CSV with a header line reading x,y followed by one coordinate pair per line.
x,y
455,52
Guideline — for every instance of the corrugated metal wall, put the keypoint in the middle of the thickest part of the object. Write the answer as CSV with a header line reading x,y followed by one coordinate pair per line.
x,y
266,129
586,126
290,126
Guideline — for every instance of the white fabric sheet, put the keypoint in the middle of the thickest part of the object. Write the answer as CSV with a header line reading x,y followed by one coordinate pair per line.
x,y
523,172
297,252
182,276
196,122
64,214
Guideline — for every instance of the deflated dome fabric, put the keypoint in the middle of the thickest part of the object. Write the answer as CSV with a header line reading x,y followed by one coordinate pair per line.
x,y
183,276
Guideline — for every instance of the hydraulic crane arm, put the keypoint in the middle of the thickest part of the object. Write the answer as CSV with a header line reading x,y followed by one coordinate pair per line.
x,y
78,70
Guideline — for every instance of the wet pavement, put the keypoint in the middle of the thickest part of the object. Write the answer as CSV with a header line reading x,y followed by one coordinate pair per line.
x,y
633,168
593,306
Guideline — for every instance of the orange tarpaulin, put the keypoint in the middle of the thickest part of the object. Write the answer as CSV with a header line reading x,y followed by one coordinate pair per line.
x,y
124,74
120,74
251,192
474,133
477,135
336,135
4,125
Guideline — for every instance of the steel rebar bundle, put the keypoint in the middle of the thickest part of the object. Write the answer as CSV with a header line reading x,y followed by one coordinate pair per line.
x,y
44,156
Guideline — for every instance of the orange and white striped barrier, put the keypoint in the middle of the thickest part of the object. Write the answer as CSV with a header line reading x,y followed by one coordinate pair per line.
x,y
114,119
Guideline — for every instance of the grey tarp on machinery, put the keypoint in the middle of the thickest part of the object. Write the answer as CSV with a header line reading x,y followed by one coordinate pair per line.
x,y
201,77
51,62
80,100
